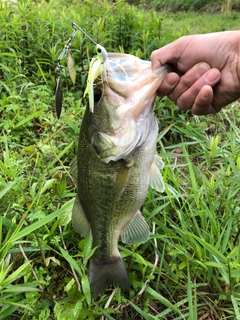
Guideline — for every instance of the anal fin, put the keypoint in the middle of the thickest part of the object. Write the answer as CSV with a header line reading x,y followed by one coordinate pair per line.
x,y
79,220
137,231
156,179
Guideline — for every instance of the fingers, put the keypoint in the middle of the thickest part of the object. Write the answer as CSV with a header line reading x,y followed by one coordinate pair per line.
x,y
199,96
155,59
202,104
174,85
188,83
168,85
176,54
167,54
193,90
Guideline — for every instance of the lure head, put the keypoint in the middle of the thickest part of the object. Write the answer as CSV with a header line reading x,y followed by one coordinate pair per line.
x,y
101,53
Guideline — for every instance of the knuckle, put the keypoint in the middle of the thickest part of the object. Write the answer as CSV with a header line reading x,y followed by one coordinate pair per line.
x,y
154,55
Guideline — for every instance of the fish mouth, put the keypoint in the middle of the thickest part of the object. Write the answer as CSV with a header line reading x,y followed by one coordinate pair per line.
x,y
129,77
130,83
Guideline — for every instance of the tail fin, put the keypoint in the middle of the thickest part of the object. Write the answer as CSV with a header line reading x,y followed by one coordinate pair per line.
x,y
103,274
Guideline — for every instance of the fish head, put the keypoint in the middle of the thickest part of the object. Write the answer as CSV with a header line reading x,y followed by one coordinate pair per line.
x,y
125,91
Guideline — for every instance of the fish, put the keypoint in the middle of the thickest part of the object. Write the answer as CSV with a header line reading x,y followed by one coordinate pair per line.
x,y
116,162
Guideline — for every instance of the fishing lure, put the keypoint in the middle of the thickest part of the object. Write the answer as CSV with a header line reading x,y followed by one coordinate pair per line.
x,y
72,72
96,67
71,66
58,96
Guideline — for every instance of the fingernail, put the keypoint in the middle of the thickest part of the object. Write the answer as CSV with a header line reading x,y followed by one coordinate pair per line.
x,y
213,75
205,94
173,80
201,68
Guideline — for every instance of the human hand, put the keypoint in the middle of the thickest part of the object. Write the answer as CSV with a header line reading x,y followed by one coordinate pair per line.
x,y
206,73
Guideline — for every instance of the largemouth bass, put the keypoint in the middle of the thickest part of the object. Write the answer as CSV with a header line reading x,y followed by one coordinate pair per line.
x,y
116,162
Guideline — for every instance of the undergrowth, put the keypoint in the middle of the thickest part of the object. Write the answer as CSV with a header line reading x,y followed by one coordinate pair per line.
x,y
189,269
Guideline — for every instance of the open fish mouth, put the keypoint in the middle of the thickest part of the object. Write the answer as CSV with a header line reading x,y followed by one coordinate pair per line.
x,y
126,75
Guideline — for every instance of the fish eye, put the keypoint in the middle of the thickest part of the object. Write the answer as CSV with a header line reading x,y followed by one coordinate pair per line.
x,y
97,95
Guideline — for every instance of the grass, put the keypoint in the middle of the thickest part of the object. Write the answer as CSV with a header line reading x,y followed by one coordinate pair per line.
x,y
189,269
184,23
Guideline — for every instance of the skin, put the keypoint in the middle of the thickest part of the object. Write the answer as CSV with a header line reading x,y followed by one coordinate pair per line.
x,y
206,75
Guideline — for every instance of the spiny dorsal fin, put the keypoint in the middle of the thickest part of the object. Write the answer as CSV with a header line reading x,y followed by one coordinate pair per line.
x,y
156,179
137,231
79,220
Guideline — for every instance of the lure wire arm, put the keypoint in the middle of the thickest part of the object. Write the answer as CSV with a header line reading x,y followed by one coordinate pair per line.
x,y
71,64
75,26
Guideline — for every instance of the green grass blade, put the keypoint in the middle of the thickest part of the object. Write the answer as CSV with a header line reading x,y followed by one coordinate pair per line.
x,y
28,118
210,248
236,307
163,300
145,315
71,261
39,224
7,188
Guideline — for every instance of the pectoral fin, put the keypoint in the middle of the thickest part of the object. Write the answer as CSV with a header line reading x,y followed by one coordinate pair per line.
x,y
107,139
137,231
122,179
156,179
79,220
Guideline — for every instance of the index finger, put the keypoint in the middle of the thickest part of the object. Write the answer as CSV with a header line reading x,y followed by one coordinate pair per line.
x,y
156,59
166,54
